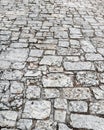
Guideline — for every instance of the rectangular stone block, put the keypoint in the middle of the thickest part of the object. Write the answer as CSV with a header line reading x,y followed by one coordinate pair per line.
x,y
57,80
78,66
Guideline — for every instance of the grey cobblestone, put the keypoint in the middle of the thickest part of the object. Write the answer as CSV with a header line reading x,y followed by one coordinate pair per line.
x,y
51,65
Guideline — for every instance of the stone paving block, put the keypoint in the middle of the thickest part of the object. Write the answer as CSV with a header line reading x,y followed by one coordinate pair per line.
x,y
37,109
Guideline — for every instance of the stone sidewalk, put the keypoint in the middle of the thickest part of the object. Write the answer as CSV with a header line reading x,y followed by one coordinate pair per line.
x,y
51,64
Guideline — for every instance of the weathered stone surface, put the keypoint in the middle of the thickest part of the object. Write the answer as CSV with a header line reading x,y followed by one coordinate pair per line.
x,y
87,46
101,77
51,60
63,126
57,80
16,87
78,66
76,93
87,78
78,106
8,118
32,92
60,103
51,93
97,107
45,124
4,86
4,64
98,93
93,57
24,124
36,53
60,115
33,73
18,65
100,66
87,121
12,75
37,109
14,54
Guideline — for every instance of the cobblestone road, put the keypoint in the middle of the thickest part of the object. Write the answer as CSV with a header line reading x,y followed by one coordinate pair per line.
x,y
51,64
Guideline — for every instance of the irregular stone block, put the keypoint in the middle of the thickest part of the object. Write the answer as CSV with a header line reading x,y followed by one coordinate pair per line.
x,y
78,106
87,122
97,107
60,103
57,80
8,118
37,109
76,93
87,78
51,60
51,93
12,54
78,66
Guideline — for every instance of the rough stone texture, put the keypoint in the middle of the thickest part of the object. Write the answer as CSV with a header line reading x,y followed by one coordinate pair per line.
x,y
62,126
33,92
8,118
97,107
51,93
57,80
60,115
60,103
51,64
87,121
15,54
37,109
87,79
51,60
78,106
24,124
78,66
76,93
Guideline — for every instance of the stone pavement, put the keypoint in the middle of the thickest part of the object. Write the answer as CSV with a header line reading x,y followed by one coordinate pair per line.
x,y
51,64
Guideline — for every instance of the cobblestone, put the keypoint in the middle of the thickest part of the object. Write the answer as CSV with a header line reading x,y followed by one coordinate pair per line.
x,y
51,65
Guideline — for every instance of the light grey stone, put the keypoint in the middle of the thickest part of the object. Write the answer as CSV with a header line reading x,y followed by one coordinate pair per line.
x,y
57,80
31,73
87,78
36,53
76,93
101,77
101,51
78,106
98,93
24,124
4,64
18,65
8,118
12,75
14,54
60,103
63,126
93,57
37,109
45,125
51,93
4,86
87,46
16,87
100,66
97,107
78,66
51,60
60,115
32,92
87,122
